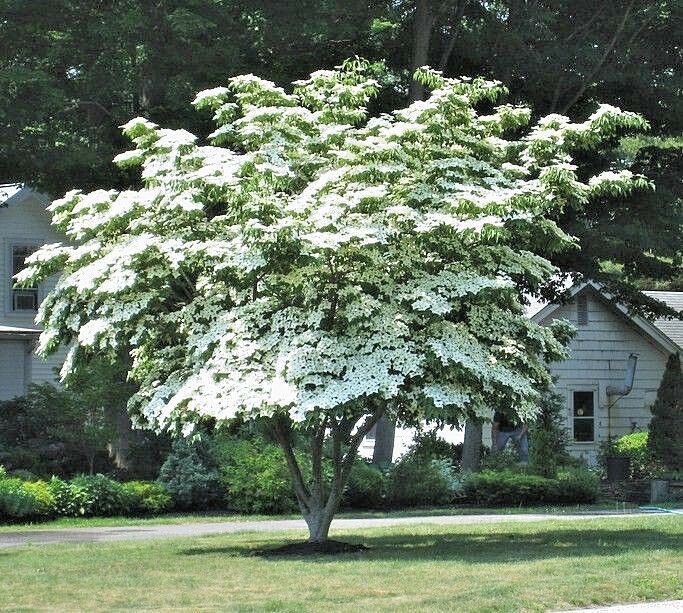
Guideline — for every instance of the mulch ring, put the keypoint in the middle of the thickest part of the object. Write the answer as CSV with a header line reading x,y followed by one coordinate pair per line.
x,y
307,548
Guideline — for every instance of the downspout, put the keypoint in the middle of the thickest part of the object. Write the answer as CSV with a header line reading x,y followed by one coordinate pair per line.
x,y
620,390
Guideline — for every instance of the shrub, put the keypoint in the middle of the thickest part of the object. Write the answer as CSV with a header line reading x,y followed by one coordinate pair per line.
x,y
634,446
366,488
190,476
21,500
254,476
506,459
69,501
576,484
666,428
495,488
416,482
146,497
548,436
101,496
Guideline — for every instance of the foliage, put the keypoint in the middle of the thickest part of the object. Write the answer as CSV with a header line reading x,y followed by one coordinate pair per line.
x,y
635,447
24,500
99,495
190,476
666,428
88,67
548,436
254,476
54,431
146,497
427,444
507,459
69,500
366,488
254,272
416,481
506,487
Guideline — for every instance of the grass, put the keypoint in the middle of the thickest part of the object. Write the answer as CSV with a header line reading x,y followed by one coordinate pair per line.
x,y
497,567
211,517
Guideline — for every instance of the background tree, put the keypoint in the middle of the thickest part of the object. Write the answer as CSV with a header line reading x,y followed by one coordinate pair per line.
x,y
72,71
318,268
665,440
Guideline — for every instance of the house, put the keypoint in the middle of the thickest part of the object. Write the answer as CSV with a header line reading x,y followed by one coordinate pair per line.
x,y
616,363
611,378
24,226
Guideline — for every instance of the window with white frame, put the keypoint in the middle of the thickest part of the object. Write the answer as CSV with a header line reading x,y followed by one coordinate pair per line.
x,y
23,298
583,416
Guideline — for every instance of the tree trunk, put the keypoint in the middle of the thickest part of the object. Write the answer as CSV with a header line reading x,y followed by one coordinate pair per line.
x,y
317,510
119,448
385,435
471,447
422,33
318,520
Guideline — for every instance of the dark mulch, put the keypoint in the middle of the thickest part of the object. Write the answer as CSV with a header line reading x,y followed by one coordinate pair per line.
x,y
308,548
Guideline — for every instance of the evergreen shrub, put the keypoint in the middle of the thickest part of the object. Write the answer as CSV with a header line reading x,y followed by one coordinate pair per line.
x,y
190,476
415,481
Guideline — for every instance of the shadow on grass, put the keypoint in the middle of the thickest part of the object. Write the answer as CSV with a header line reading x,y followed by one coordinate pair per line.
x,y
482,548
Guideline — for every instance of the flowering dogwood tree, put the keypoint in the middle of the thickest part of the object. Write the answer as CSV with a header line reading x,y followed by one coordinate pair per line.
x,y
319,268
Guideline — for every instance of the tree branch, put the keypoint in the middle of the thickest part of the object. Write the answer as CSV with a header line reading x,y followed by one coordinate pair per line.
x,y
283,436
601,62
455,25
317,441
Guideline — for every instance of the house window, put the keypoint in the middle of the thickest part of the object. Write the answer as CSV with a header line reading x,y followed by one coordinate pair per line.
x,y
583,411
23,298
582,310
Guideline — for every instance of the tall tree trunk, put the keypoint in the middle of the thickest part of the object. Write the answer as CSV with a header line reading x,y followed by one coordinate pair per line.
x,y
422,33
119,447
471,447
385,435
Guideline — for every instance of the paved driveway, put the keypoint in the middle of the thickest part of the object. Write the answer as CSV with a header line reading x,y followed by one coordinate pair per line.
x,y
141,533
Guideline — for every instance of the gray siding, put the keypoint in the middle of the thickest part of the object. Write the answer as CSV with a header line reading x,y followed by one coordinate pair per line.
x,y
599,355
25,222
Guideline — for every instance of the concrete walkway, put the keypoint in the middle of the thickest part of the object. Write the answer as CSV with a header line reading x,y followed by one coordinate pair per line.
x,y
670,606
142,533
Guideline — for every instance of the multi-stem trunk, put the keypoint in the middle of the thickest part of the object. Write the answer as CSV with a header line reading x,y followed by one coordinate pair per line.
x,y
319,499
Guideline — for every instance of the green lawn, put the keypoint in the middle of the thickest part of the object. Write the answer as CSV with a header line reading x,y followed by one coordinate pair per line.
x,y
495,567
190,518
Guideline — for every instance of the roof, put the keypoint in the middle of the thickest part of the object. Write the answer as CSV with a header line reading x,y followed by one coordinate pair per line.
x,y
669,337
673,328
17,193
17,332
7,190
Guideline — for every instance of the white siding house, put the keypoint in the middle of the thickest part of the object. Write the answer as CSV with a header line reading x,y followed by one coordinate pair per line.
x,y
597,366
24,226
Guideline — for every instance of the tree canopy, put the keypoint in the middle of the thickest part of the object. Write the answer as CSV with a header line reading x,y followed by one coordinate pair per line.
x,y
319,268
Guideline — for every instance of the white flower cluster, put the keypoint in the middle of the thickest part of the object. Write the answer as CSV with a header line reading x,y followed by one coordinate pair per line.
x,y
318,261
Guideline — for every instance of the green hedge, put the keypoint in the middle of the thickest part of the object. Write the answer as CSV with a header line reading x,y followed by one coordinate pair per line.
x,y
497,488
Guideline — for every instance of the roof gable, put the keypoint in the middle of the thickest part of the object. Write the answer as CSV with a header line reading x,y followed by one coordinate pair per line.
x,y
660,336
